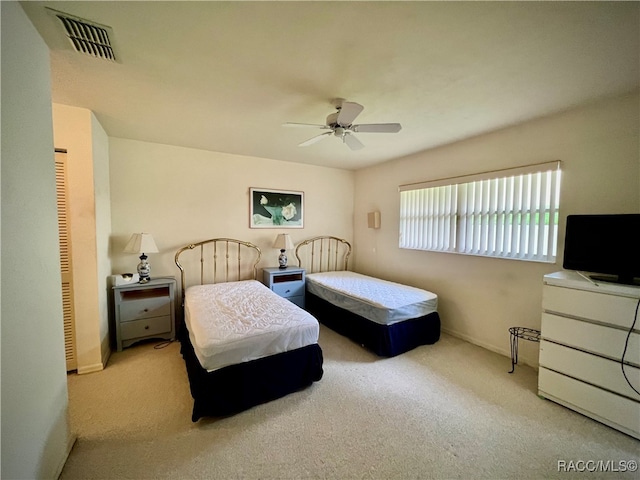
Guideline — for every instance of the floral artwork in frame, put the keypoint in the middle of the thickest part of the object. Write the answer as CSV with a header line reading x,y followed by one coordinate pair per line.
x,y
276,208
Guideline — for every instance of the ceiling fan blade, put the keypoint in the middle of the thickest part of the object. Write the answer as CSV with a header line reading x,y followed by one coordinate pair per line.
x,y
293,124
377,127
348,113
315,139
352,142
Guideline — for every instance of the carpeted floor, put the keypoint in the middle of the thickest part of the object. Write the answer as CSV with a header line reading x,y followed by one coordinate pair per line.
x,y
448,410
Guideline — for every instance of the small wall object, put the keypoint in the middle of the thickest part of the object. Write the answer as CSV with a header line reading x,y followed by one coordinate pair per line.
x,y
373,219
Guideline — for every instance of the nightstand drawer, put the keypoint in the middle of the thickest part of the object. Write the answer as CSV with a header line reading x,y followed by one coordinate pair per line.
x,y
288,289
144,308
288,283
146,327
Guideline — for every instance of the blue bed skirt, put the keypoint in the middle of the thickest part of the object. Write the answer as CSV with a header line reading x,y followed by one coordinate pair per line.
x,y
383,340
235,388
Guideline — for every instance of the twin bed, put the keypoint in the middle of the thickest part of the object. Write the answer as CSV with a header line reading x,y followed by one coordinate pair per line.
x,y
386,317
244,345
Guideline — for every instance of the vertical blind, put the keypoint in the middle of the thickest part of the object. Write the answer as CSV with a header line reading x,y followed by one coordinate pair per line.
x,y
508,214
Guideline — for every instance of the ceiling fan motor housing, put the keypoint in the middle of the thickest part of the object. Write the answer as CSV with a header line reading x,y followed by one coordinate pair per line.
x,y
332,119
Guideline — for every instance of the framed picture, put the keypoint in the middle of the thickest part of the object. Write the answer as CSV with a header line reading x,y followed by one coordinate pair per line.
x,y
276,208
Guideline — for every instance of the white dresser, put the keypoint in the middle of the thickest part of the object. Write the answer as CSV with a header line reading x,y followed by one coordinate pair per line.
x,y
583,335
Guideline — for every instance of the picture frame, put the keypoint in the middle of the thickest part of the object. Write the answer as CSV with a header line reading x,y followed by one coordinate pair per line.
x,y
271,208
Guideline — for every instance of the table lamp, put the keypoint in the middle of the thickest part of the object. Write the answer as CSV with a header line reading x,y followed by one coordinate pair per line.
x,y
142,243
283,242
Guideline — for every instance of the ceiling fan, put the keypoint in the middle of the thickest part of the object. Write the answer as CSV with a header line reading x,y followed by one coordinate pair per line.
x,y
340,124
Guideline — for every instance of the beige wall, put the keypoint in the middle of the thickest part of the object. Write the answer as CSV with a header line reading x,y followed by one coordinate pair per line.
x,y
35,431
102,199
182,195
479,298
78,131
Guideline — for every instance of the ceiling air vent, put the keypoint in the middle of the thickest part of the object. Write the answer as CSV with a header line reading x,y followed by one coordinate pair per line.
x,y
86,36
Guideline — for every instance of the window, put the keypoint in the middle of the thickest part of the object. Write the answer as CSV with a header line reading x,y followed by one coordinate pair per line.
x,y
507,214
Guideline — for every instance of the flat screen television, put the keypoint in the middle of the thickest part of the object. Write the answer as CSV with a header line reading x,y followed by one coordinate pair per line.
x,y
608,245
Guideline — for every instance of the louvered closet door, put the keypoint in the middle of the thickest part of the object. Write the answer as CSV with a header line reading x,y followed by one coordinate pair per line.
x,y
65,262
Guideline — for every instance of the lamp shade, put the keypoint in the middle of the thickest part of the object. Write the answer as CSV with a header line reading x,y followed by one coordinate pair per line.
x,y
283,242
141,243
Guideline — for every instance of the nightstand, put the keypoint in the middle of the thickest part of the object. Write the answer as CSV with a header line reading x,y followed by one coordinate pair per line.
x,y
144,310
286,282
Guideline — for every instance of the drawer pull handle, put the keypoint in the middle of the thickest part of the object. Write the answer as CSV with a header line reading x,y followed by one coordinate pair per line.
x,y
145,310
287,291
146,327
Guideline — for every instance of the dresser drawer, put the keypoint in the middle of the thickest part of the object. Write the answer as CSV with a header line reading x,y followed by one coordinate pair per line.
x,y
590,337
599,307
592,369
611,409
289,289
146,327
138,308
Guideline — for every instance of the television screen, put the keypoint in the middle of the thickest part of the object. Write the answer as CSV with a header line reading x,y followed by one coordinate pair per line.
x,y
605,244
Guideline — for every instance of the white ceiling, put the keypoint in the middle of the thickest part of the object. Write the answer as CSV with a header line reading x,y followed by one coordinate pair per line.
x,y
225,76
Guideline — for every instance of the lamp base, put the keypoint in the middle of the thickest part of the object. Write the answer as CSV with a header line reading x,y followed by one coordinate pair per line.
x,y
282,260
144,269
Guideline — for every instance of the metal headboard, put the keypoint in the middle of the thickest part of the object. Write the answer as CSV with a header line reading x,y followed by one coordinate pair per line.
x,y
323,254
221,260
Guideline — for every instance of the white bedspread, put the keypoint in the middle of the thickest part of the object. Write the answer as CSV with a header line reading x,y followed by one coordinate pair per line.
x,y
378,300
237,322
